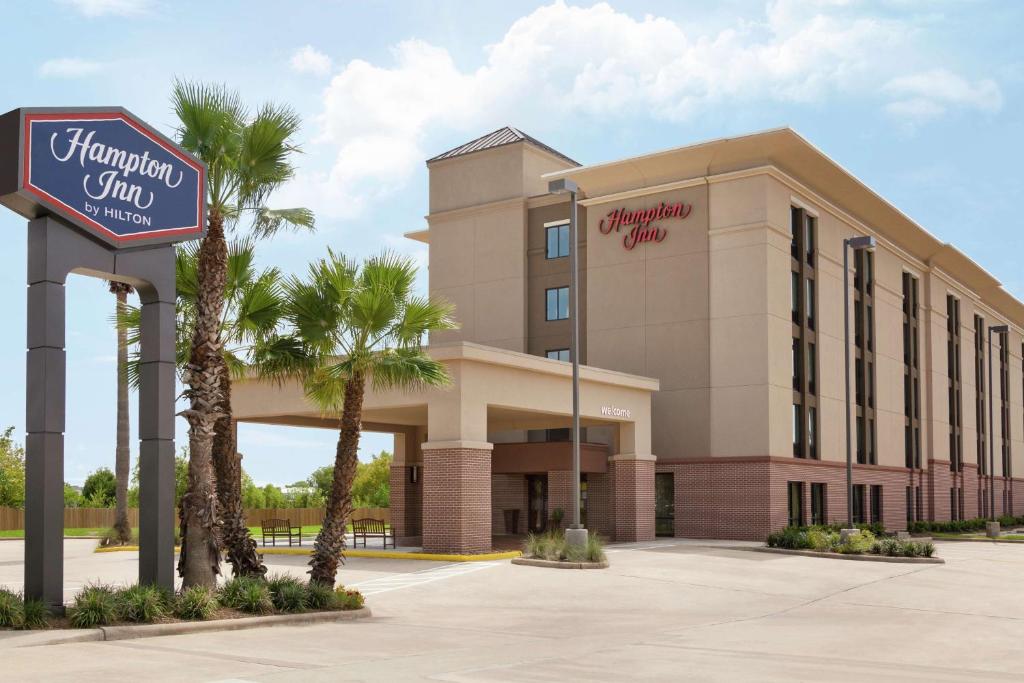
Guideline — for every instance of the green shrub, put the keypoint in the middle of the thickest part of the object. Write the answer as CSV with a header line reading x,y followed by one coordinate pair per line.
x,y
197,603
552,546
287,593
893,547
10,609
792,538
346,599
231,592
141,604
95,605
35,614
823,539
290,597
319,596
110,537
254,598
858,543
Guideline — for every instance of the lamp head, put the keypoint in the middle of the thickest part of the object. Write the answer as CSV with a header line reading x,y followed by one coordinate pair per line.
x,y
865,242
562,186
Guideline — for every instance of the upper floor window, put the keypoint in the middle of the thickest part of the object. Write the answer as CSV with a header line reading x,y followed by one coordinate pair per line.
x,y
558,354
558,303
558,241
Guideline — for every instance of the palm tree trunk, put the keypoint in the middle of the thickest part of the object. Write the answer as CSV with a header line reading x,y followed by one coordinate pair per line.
x,y
199,563
122,458
330,542
227,463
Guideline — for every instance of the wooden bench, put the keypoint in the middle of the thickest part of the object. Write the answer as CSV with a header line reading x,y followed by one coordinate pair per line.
x,y
371,528
280,528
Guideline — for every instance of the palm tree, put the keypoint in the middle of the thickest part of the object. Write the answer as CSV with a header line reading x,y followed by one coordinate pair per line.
x,y
253,305
351,325
122,450
247,158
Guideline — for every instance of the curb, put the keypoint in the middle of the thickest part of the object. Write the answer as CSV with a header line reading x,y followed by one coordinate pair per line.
x,y
378,554
978,540
556,564
64,636
841,556
395,555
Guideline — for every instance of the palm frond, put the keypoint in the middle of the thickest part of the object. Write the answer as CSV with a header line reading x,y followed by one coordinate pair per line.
x,y
268,222
422,315
407,368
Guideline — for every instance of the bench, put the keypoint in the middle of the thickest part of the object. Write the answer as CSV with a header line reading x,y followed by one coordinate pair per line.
x,y
371,528
280,528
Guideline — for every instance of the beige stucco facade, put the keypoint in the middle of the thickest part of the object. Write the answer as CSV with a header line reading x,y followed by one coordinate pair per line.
x,y
703,303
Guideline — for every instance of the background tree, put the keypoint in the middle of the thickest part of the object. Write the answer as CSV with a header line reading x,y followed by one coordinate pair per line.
x,y
100,489
247,159
372,485
12,471
122,450
353,325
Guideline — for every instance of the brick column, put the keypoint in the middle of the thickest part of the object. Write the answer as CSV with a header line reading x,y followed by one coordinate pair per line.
x,y
634,496
457,497
971,484
560,495
940,480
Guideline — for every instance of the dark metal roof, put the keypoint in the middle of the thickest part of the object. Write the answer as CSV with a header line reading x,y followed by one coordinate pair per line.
x,y
503,136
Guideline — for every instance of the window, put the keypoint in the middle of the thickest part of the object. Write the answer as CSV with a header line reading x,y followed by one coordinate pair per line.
x,y
818,512
558,303
981,419
558,354
956,440
911,374
876,504
863,302
558,241
858,504
953,509
910,504
919,502
803,257
796,503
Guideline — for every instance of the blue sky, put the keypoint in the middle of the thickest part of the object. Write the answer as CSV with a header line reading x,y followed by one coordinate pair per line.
x,y
921,100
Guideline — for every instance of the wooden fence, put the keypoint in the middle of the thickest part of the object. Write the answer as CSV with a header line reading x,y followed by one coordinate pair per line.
x,y
101,518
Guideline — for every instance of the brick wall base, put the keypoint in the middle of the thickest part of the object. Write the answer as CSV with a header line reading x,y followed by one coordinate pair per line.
x,y
456,500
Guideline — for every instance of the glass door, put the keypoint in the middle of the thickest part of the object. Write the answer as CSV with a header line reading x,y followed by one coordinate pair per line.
x,y
664,504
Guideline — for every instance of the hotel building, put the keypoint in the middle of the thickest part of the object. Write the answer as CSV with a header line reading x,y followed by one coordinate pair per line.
x,y
711,311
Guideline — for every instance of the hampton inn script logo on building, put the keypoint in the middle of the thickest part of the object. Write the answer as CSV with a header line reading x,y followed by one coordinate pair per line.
x,y
640,222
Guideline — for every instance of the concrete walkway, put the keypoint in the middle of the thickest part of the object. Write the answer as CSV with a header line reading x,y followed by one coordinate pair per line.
x,y
670,610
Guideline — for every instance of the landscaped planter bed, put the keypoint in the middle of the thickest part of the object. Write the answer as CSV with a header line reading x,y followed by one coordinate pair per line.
x,y
557,564
863,557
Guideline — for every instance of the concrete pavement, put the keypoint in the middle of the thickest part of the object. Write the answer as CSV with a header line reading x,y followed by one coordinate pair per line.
x,y
673,610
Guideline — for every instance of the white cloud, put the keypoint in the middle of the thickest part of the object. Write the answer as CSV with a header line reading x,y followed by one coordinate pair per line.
x,y
562,61
308,59
928,94
69,67
98,8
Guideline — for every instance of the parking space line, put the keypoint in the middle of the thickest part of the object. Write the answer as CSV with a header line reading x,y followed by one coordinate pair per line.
x,y
386,584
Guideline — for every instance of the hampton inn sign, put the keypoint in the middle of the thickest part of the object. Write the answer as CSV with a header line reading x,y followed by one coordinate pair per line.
x,y
640,223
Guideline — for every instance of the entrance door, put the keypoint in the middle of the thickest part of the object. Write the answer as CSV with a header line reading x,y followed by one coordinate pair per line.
x,y
664,504
537,486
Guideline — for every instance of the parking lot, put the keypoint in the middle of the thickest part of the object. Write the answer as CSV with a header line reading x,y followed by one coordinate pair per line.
x,y
672,610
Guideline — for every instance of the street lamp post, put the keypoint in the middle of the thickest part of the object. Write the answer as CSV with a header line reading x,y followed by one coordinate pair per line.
x,y
993,525
856,244
575,534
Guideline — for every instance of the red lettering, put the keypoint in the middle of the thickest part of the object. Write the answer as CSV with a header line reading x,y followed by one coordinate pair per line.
x,y
640,222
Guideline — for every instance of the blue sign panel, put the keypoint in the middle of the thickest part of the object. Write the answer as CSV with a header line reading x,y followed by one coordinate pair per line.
x,y
111,175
